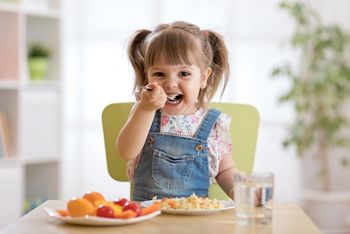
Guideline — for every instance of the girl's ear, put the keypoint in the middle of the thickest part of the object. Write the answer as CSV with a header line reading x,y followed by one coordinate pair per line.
x,y
206,75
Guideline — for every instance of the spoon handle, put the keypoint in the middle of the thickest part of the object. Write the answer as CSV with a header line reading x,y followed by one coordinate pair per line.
x,y
148,88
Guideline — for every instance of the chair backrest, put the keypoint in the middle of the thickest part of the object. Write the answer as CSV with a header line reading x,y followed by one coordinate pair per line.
x,y
243,130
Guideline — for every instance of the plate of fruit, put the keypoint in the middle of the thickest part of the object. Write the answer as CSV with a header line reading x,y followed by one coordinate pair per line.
x,y
94,210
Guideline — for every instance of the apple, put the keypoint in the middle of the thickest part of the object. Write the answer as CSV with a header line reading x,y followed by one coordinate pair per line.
x,y
121,202
134,207
105,211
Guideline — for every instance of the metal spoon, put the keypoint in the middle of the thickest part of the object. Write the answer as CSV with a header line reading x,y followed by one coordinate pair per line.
x,y
148,88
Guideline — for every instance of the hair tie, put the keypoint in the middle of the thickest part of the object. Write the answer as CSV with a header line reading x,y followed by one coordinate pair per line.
x,y
205,33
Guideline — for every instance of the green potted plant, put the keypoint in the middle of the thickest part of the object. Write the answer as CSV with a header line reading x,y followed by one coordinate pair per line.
x,y
38,61
319,89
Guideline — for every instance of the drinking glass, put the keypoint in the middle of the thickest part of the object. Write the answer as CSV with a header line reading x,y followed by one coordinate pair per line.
x,y
253,195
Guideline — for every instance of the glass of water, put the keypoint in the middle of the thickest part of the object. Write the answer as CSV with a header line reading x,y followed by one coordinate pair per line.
x,y
253,195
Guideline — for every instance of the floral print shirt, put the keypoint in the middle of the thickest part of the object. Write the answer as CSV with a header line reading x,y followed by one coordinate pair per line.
x,y
219,141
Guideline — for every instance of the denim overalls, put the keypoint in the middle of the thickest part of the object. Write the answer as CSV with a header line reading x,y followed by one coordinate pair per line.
x,y
174,166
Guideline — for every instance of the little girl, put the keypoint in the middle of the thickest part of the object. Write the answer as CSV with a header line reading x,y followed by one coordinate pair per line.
x,y
174,144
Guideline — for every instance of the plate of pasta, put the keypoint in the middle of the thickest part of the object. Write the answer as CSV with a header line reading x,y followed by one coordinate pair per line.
x,y
191,205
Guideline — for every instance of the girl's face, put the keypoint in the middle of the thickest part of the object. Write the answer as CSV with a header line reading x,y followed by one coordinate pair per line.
x,y
182,82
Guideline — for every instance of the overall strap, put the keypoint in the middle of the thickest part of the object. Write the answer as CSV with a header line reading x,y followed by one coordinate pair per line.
x,y
207,124
156,122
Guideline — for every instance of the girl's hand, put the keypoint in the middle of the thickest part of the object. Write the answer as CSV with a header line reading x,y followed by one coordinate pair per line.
x,y
153,99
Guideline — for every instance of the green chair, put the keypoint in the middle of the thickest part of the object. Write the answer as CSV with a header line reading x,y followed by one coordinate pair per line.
x,y
243,130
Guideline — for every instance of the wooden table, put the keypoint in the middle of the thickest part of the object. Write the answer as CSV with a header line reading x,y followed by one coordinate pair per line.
x,y
287,218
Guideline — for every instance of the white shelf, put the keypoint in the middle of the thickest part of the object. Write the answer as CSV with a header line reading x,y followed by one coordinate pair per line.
x,y
9,84
42,12
32,108
54,158
44,84
9,7
17,160
6,161
46,12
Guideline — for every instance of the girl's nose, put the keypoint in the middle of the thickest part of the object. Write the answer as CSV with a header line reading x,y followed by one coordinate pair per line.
x,y
171,83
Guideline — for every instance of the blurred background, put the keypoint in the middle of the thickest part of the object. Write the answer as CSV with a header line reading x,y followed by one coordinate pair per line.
x,y
55,147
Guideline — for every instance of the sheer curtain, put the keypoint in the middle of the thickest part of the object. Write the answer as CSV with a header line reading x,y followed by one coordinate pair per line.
x,y
96,73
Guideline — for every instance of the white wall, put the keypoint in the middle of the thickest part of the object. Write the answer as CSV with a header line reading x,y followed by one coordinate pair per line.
x,y
97,73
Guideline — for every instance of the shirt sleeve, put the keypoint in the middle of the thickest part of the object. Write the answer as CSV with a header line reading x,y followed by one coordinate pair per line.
x,y
219,143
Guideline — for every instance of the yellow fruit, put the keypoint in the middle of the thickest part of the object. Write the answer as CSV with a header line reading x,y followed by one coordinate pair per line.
x,y
116,208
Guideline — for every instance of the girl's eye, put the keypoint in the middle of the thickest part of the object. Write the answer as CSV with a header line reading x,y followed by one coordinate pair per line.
x,y
184,74
158,74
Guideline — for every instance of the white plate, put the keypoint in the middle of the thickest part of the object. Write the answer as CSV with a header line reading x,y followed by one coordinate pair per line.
x,y
226,205
98,221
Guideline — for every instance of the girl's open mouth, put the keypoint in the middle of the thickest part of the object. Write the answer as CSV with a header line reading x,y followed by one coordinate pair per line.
x,y
174,98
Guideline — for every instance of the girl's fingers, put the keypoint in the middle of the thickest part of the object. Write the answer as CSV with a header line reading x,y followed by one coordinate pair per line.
x,y
154,97
152,85
157,91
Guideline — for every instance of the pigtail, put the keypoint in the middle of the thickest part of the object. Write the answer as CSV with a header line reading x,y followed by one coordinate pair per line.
x,y
219,65
136,55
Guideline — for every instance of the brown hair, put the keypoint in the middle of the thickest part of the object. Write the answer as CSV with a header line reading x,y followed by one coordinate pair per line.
x,y
181,43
